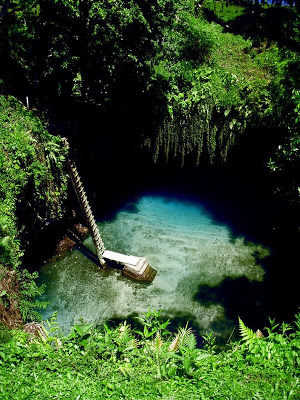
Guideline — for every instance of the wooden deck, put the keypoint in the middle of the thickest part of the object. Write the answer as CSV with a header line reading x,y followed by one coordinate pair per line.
x,y
120,258
134,267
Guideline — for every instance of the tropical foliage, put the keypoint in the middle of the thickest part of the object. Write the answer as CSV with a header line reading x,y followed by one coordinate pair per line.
x,y
122,363
213,91
192,87
194,79
32,187
274,35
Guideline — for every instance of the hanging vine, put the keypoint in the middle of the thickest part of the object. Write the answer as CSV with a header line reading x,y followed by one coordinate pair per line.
x,y
211,90
202,127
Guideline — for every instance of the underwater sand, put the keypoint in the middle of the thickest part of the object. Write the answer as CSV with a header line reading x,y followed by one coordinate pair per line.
x,y
181,241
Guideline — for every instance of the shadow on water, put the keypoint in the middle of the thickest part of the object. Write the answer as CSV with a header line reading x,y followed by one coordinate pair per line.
x,y
89,254
276,297
240,201
246,206
131,208
239,297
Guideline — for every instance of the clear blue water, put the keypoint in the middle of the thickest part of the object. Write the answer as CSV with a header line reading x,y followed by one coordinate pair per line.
x,y
182,242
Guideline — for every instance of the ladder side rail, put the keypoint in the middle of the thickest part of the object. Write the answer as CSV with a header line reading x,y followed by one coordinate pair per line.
x,y
87,212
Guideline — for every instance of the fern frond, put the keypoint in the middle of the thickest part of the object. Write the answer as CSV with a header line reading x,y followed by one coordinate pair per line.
x,y
175,343
186,336
191,342
247,334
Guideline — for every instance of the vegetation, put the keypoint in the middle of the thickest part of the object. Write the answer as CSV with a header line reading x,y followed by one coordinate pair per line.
x,y
82,51
32,189
286,161
274,35
194,79
205,86
126,363
198,85
214,92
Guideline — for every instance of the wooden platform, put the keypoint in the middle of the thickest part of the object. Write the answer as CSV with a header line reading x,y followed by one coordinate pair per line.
x,y
134,267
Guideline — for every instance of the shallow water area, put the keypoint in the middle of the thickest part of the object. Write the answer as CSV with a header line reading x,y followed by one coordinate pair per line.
x,y
186,246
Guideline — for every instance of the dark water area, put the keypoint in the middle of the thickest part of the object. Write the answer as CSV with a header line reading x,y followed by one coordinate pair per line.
x,y
245,265
243,241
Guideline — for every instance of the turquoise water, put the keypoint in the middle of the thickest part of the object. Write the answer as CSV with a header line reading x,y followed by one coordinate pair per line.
x,y
181,240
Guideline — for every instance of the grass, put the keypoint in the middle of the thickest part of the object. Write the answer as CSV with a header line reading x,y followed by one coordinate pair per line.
x,y
223,12
266,23
120,363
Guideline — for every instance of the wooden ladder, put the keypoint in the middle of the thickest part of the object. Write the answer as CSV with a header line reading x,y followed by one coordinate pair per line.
x,y
134,267
86,208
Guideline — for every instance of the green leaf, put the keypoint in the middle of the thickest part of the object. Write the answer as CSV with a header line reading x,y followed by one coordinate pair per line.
x,y
247,334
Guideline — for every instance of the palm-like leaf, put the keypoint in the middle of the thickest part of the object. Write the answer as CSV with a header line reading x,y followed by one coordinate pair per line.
x,y
185,338
175,343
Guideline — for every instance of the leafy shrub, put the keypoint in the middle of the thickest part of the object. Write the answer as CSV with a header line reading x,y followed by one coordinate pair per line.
x,y
209,100
33,183
205,86
121,363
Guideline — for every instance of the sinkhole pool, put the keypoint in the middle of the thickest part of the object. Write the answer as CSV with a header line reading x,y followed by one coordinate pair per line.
x,y
193,256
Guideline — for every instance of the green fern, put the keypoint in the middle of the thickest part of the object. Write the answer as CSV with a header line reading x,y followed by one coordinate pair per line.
x,y
247,334
185,339
188,339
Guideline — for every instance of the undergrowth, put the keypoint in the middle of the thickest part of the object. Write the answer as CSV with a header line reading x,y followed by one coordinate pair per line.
x,y
32,185
215,86
124,363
